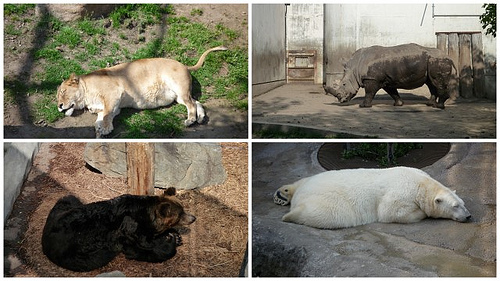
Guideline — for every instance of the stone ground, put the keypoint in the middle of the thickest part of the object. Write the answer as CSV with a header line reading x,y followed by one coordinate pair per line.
x,y
432,247
306,106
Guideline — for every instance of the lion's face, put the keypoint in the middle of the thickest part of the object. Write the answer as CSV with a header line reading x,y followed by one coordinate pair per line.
x,y
68,95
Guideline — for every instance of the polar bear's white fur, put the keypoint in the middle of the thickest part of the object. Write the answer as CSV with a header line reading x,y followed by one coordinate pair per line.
x,y
346,198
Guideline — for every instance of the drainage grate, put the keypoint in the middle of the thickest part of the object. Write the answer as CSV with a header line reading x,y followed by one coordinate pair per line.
x,y
330,157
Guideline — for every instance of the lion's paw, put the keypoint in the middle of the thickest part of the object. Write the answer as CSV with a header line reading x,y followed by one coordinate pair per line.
x,y
189,122
101,129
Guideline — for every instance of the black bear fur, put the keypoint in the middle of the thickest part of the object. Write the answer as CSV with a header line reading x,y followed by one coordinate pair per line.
x,y
83,237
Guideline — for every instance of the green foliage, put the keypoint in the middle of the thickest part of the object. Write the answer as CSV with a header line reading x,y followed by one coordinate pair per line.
x,y
147,14
378,151
196,12
12,30
16,9
489,19
149,123
68,36
90,27
292,134
151,50
46,110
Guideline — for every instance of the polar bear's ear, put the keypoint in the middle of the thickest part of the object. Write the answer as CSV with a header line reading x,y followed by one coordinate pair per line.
x,y
455,191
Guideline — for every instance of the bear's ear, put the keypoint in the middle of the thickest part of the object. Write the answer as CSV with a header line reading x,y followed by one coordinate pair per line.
x,y
169,192
164,210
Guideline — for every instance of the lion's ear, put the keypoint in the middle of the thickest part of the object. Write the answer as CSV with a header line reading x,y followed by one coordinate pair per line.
x,y
73,79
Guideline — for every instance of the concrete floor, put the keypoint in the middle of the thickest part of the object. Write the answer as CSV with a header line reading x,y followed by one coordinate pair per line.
x,y
306,106
432,247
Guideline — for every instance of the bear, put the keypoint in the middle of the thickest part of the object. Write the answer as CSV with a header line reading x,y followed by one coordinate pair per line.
x,y
83,237
352,197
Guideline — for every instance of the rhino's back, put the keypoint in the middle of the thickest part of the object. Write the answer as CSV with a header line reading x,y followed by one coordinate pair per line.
x,y
402,66
373,54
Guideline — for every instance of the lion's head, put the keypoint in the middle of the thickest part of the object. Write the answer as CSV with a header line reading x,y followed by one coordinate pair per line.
x,y
69,96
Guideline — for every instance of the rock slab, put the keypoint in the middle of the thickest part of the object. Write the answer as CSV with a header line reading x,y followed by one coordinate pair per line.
x,y
179,165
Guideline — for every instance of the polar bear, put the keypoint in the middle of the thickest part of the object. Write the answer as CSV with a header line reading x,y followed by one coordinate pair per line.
x,y
346,198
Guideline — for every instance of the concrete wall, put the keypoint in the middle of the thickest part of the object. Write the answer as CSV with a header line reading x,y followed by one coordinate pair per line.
x,y
304,25
18,158
268,47
349,27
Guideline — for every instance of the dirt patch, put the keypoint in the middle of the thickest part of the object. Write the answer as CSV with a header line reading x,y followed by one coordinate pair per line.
x,y
213,246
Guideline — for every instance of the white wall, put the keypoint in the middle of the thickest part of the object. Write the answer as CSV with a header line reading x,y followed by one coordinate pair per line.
x,y
268,47
304,25
349,27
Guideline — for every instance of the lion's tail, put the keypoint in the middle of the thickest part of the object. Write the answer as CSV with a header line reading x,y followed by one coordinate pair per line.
x,y
202,58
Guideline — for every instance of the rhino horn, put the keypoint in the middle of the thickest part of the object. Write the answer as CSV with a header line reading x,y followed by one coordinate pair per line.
x,y
330,90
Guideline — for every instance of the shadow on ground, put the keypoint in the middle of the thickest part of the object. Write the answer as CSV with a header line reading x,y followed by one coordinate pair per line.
x,y
306,105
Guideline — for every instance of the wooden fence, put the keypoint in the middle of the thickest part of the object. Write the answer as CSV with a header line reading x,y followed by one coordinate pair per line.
x,y
466,51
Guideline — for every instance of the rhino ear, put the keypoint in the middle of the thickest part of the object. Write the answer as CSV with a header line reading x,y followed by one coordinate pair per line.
x,y
343,61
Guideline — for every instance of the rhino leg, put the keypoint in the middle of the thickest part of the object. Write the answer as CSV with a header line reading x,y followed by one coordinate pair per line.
x,y
393,92
432,101
438,96
371,88
439,78
440,102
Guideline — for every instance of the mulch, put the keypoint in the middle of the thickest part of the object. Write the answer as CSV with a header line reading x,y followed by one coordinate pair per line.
x,y
213,246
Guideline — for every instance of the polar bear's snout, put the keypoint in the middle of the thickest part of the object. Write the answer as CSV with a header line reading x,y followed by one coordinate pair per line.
x,y
463,215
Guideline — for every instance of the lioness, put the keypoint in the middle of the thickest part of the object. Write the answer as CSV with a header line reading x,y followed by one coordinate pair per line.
x,y
141,84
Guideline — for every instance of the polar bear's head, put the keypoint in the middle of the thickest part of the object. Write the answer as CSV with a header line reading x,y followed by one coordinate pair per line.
x,y
448,205
283,195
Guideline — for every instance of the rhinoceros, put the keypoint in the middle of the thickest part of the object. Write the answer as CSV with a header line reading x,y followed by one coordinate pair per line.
x,y
407,66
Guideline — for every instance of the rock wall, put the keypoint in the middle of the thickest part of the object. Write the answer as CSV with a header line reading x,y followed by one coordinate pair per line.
x,y
18,158
179,165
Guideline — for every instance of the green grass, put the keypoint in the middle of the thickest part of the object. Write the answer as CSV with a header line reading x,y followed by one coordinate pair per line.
x,y
86,45
196,12
17,9
12,30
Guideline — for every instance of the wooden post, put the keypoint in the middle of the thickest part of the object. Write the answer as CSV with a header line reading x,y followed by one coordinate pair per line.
x,y
465,66
141,168
454,55
442,39
478,65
